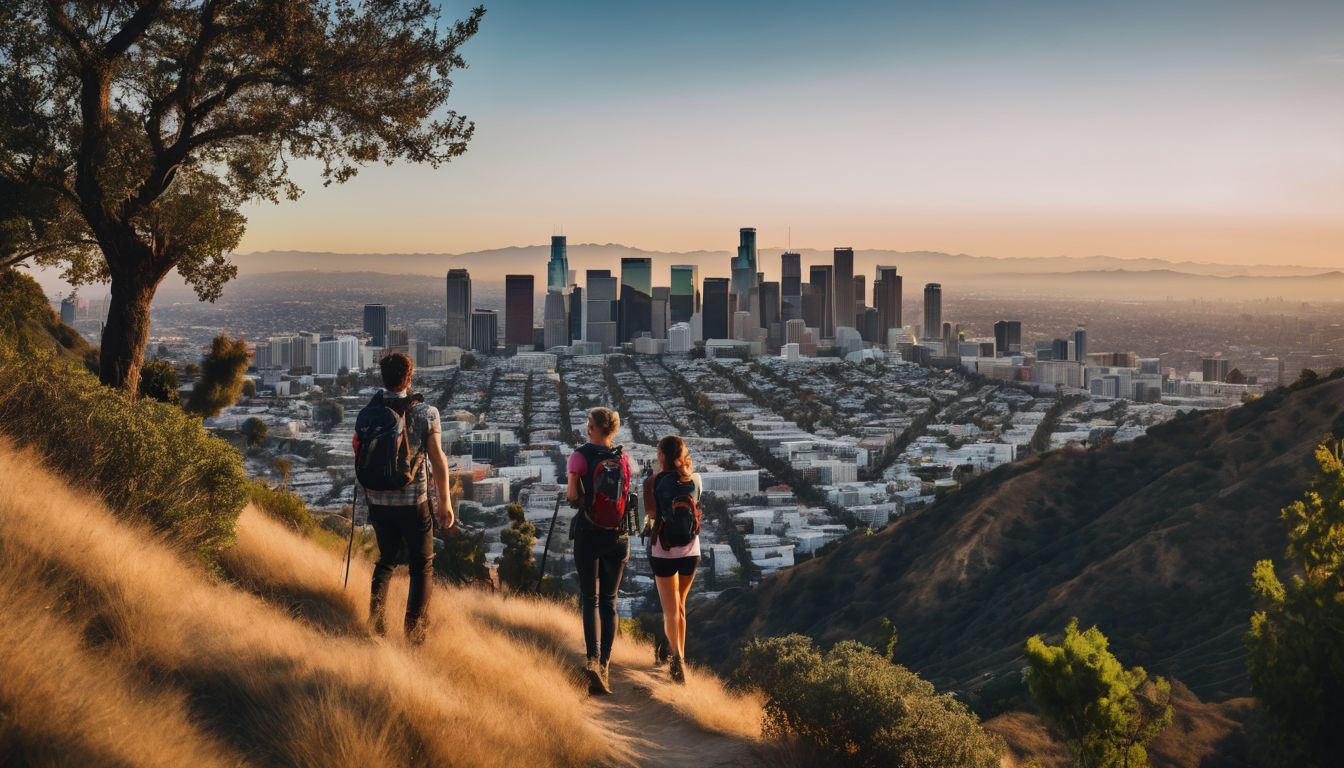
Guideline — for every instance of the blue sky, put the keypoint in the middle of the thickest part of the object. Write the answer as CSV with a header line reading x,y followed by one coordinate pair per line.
x,y
1205,130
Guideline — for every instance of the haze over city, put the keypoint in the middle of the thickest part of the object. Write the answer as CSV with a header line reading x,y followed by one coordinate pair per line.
x,y
1203,131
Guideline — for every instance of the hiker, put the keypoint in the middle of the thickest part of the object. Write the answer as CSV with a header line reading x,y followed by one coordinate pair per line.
x,y
599,486
672,520
396,435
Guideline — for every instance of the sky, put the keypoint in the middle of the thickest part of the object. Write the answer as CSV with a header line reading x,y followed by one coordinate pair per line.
x,y
1209,131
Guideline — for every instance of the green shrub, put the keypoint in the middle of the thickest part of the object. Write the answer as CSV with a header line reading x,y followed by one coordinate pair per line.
x,y
146,459
283,505
852,707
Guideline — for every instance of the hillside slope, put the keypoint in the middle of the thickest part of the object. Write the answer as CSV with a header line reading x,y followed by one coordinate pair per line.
x,y
1152,540
27,320
121,651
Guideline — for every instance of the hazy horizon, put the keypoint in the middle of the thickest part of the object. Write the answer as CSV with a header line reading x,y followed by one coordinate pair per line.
x,y
1204,131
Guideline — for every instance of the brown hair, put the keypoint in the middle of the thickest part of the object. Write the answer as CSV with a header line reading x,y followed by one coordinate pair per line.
x,y
673,450
606,420
397,368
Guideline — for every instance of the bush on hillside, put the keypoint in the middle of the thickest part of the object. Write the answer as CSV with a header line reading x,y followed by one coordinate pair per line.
x,y
850,706
144,458
30,326
283,505
221,382
158,379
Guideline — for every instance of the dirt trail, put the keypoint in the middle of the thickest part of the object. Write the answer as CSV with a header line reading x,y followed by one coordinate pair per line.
x,y
657,735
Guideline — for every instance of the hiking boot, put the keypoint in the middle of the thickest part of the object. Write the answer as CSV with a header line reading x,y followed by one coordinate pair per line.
x,y
597,678
676,670
604,671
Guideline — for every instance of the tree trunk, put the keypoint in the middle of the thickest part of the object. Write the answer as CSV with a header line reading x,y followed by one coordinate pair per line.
x,y
127,330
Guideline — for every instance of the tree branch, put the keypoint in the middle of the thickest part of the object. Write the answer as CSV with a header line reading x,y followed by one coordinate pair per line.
x,y
62,23
133,29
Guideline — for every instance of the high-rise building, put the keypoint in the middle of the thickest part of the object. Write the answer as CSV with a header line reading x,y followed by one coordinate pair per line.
x,y
887,300
744,268
714,308
770,309
1007,337
484,330
335,353
842,275
557,270
375,324
1215,368
69,310
790,286
860,297
1059,349
458,323
679,338
933,310
794,330
1080,345
636,297
820,278
600,309
554,323
684,292
662,297
519,311
574,309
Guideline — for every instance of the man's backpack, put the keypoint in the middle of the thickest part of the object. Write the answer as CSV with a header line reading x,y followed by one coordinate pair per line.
x,y
607,490
678,516
383,460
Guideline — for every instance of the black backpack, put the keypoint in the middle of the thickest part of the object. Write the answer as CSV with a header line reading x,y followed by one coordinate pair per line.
x,y
382,453
678,516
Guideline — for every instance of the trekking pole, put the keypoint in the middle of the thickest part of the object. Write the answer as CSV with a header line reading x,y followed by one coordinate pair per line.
x,y
541,572
350,546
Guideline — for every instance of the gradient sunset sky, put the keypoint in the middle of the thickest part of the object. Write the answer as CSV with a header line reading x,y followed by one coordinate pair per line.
x,y
1211,131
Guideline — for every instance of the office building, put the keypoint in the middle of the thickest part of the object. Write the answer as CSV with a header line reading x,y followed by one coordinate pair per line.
x,y
375,324
458,320
714,308
820,278
933,310
600,309
1080,345
518,311
335,353
794,331
554,323
887,300
574,309
1215,368
842,277
662,297
1007,338
770,311
684,293
557,270
69,310
484,330
744,269
790,286
860,297
679,340
636,311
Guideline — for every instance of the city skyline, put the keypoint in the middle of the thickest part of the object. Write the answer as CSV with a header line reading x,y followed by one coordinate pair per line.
x,y
1204,132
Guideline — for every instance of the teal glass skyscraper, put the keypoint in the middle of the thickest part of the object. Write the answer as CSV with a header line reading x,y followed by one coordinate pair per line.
x,y
557,271
636,297
744,268
684,296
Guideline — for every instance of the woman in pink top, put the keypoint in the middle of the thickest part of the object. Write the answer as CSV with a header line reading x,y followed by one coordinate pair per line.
x,y
674,552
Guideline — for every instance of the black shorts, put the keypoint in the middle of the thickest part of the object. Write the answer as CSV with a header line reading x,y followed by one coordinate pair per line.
x,y
665,567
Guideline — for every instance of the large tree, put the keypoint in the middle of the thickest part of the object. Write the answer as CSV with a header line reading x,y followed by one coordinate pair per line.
x,y
132,131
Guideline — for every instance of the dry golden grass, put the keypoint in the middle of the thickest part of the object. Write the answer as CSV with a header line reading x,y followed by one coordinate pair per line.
x,y
128,653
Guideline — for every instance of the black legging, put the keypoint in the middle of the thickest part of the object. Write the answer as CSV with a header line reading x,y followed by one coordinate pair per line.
x,y
599,557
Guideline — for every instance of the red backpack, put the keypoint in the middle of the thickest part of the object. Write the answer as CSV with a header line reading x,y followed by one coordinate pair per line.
x,y
607,488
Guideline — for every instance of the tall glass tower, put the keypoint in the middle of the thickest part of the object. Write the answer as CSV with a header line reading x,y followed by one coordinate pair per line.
x,y
636,296
744,267
557,271
933,310
684,295
715,319
458,321
790,286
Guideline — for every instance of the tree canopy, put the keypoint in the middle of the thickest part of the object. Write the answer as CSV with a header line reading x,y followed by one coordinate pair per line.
x,y
221,381
1107,714
517,567
1296,640
132,132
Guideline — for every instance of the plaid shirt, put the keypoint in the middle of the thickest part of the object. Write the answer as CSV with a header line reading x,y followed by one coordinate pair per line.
x,y
422,423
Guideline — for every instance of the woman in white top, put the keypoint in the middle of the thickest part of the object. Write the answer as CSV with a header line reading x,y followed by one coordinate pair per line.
x,y
674,551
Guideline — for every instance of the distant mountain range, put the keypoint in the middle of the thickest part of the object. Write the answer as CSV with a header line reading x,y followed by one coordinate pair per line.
x,y
1101,277
1152,540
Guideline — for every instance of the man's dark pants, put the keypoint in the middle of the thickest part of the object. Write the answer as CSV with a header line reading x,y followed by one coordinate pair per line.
x,y
413,528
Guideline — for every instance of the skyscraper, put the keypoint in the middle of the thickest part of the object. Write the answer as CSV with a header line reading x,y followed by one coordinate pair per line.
x,y
744,268
519,310
636,297
933,310
375,324
458,323
557,271
684,294
843,288
484,330
574,308
820,278
600,308
1080,345
715,308
790,286
1007,337
887,300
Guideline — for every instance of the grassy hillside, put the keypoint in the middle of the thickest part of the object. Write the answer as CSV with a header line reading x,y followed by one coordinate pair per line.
x,y
1152,540
27,320
122,650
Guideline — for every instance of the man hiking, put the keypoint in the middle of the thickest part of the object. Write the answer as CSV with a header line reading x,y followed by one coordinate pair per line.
x,y
599,485
396,435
